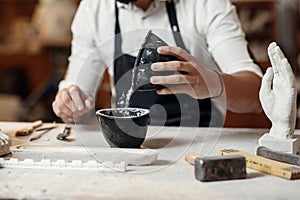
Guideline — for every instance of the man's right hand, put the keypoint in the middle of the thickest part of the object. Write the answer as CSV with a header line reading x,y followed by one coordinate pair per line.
x,y
71,103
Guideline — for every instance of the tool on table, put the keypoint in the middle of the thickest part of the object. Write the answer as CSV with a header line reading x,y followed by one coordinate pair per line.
x,y
29,129
91,165
191,157
70,153
41,131
65,133
266,165
278,156
217,168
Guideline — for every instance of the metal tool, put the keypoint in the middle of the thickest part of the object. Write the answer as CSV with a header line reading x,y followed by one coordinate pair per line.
x,y
29,129
64,134
279,156
218,168
41,131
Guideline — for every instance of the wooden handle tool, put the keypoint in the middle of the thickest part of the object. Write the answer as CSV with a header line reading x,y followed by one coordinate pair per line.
x,y
266,165
41,131
191,157
28,130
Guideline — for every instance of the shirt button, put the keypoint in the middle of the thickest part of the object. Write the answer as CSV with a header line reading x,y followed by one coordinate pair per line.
x,y
175,28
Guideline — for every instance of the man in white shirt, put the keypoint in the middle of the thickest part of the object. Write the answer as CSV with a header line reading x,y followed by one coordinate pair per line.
x,y
211,25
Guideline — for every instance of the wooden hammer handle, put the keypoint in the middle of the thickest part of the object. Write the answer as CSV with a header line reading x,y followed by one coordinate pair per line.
x,y
266,165
191,157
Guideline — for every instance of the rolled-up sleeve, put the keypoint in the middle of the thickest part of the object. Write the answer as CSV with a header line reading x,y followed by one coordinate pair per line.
x,y
226,39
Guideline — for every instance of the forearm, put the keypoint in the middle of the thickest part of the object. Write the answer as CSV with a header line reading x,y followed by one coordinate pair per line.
x,y
241,90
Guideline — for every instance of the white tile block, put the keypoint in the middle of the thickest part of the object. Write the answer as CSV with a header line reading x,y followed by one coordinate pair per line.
x,y
283,145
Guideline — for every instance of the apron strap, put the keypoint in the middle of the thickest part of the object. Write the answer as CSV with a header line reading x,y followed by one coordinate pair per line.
x,y
174,24
118,38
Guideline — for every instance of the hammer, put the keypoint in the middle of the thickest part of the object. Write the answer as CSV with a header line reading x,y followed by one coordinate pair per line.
x,y
217,168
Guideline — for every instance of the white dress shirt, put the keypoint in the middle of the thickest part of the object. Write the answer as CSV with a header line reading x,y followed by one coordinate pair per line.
x,y
210,29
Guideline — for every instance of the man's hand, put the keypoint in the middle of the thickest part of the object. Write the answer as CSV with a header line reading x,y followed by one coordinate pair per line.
x,y
193,79
71,103
278,94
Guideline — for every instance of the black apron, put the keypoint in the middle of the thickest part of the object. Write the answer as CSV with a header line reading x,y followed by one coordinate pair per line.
x,y
170,110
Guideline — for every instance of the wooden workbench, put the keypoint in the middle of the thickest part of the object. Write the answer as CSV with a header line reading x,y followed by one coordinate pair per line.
x,y
170,177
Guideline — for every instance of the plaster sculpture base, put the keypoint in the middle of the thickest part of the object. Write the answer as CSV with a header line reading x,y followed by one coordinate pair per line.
x,y
283,145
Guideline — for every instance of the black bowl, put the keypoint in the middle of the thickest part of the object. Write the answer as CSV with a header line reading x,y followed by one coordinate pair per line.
x,y
124,127
148,55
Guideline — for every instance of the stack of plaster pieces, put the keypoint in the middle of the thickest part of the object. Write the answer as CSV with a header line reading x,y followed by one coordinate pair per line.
x,y
77,158
91,165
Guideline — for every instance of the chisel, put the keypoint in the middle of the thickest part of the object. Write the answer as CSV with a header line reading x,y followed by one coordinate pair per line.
x,y
266,165
41,131
29,129
278,156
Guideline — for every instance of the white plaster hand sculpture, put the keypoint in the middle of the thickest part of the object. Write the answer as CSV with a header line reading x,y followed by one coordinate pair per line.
x,y
5,144
278,95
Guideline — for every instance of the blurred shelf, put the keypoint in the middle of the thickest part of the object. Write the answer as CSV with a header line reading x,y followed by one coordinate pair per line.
x,y
252,120
253,2
258,19
37,67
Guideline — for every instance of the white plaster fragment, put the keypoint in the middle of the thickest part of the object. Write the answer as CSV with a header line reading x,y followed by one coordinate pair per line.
x,y
91,164
45,163
27,162
13,161
76,163
60,163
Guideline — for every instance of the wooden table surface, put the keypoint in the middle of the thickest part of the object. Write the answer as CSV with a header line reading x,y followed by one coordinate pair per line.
x,y
170,177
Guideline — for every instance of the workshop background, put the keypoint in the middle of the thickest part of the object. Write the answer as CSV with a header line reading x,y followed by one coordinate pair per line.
x,y
35,42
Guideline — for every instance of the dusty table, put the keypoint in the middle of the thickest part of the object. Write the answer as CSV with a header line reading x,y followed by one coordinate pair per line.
x,y
170,177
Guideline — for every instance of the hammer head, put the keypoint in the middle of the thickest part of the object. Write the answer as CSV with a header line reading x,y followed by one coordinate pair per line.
x,y
217,168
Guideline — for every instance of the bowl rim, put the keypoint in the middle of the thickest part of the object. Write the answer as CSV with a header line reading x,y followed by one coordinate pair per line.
x,y
145,112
